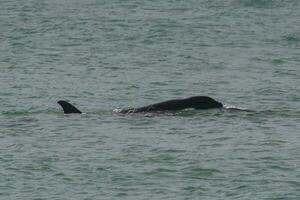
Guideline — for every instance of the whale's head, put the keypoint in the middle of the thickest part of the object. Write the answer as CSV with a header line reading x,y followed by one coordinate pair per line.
x,y
203,102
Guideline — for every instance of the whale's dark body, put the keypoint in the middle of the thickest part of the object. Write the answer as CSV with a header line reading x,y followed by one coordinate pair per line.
x,y
196,102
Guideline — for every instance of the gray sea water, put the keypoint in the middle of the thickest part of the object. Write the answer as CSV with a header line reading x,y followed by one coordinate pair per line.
x,y
107,54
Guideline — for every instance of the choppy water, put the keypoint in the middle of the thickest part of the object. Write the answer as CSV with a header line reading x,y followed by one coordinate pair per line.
x,y
102,55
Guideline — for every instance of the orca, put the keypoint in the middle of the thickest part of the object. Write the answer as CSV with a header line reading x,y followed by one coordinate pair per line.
x,y
195,102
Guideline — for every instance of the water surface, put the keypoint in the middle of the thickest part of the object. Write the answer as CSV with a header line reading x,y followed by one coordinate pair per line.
x,y
102,55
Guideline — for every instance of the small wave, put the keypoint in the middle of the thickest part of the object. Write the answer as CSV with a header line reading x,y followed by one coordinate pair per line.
x,y
258,3
16,112
230,107
291,38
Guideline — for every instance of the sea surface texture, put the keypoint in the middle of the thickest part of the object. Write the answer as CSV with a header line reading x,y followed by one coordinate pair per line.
x,y
103,55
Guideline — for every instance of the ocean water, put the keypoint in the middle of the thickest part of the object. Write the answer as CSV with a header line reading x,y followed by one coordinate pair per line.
x,y
107,54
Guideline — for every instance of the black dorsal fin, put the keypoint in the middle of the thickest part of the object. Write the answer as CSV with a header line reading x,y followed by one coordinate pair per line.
x,y
68,108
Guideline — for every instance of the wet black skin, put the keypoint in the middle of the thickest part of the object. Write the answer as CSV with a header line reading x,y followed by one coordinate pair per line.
x,y
68,108
196,102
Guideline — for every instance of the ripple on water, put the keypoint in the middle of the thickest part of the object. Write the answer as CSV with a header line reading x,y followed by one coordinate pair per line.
x,y
200,173
107,54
